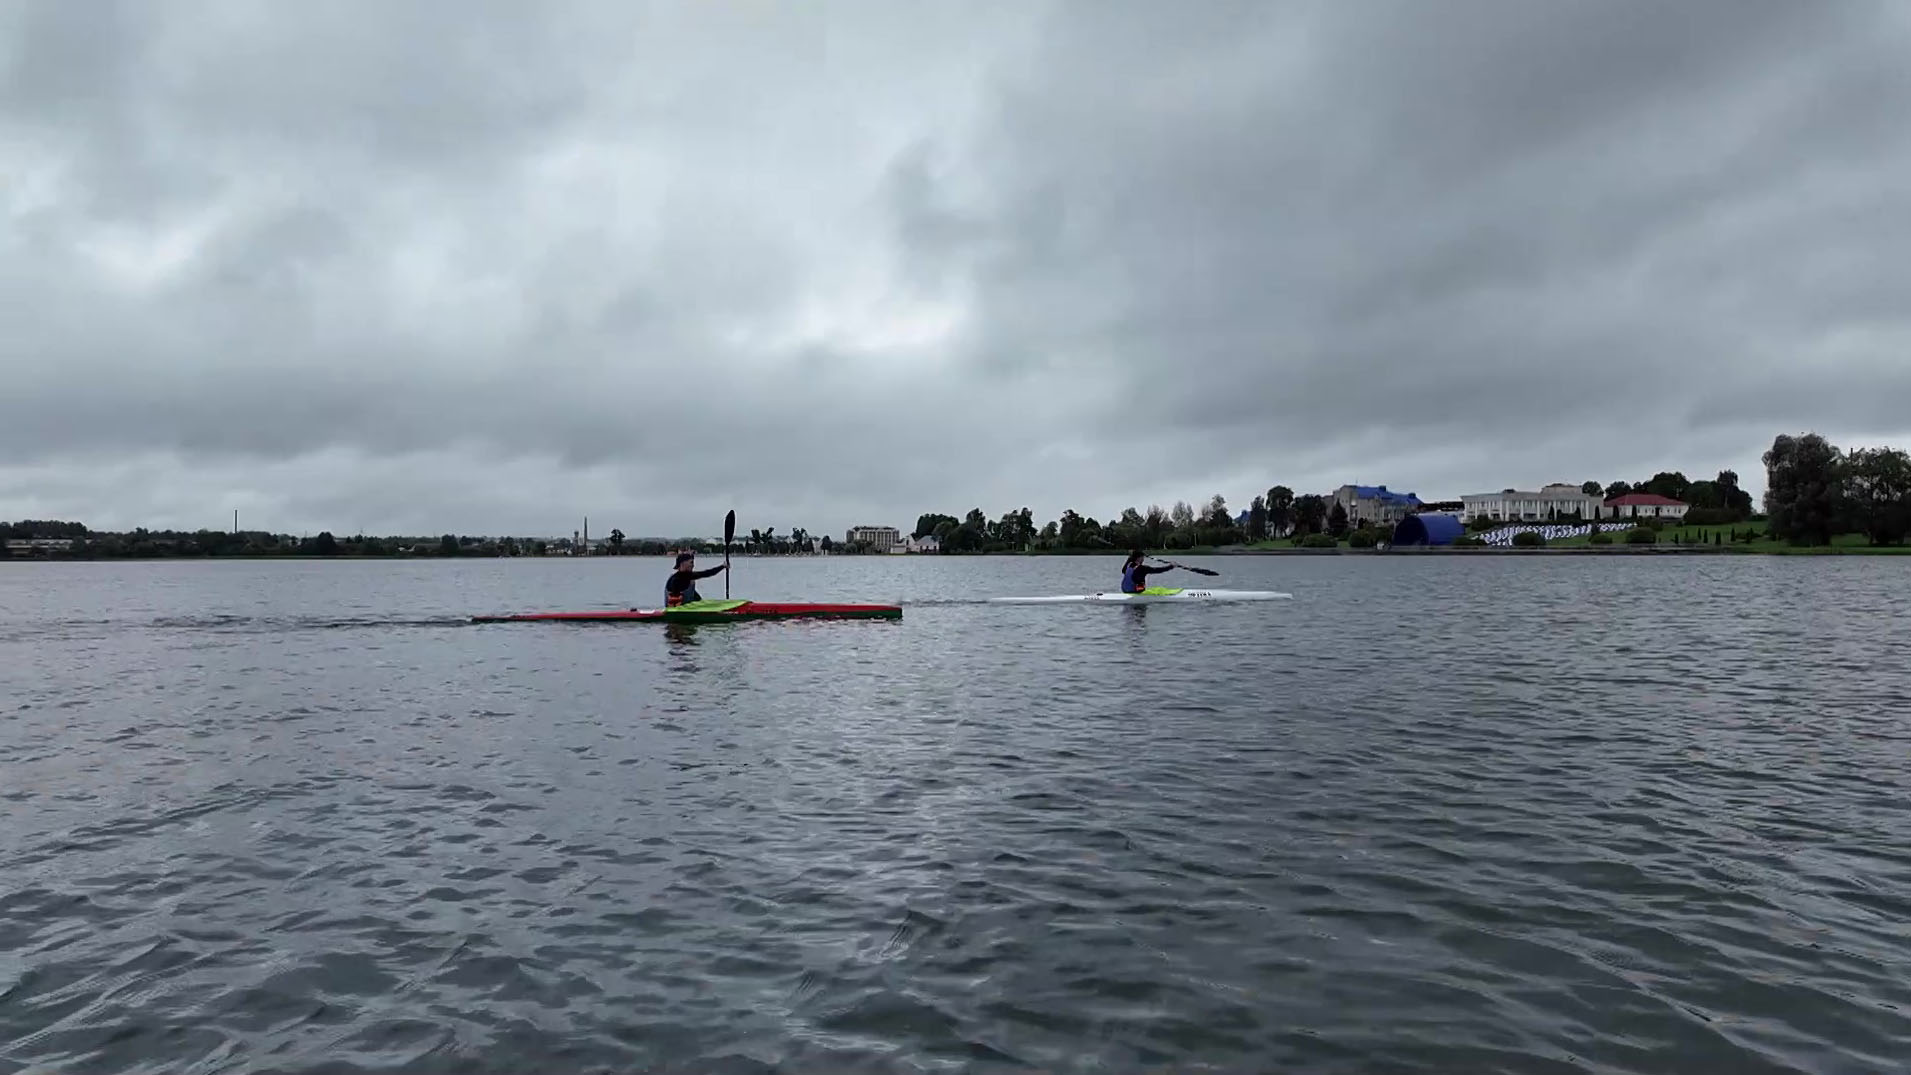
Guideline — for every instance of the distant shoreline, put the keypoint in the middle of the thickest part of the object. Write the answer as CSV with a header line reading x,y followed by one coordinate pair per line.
x,y
1616,549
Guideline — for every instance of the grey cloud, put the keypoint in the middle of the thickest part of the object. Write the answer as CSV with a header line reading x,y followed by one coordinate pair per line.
x,y
853,262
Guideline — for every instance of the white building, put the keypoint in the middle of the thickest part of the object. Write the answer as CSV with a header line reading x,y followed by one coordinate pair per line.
x,y
1513,505
925,543
878,538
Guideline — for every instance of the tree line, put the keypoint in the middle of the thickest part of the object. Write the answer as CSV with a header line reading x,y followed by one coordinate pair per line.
x,y
144,544
1712,503
1179,527
1815,491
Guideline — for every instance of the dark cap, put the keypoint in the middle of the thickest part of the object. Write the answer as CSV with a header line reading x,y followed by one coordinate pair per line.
x,y
682,556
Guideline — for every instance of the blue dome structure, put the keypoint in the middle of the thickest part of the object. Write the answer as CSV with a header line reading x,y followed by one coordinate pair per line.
x,y
1428,530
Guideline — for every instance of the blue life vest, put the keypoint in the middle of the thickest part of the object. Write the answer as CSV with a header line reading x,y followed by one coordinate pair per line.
x,y
1128,583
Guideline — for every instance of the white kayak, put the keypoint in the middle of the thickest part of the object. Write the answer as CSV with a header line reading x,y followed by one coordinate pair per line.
x,y
1151,595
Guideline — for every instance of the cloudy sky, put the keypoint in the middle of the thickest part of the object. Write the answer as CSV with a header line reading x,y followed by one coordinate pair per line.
x,y
430,265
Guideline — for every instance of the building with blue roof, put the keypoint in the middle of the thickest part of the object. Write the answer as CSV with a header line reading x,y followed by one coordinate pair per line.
x,y
1375,505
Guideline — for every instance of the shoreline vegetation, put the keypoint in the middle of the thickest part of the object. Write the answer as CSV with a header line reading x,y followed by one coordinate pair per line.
x,y
1819,500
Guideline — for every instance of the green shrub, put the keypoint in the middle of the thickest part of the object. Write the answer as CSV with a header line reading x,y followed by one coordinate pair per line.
x,y
1599,537
1641,536
1529,539
1712,517
1471,541
1319,541
1363,539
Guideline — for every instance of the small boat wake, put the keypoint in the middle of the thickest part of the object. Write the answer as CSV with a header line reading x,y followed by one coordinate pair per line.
x,y
235,624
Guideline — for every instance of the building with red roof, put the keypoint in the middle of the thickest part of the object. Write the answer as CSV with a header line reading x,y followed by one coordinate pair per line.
x,y
1645,506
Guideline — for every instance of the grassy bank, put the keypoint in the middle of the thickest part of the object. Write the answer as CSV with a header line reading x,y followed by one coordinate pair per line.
x,y
1720,538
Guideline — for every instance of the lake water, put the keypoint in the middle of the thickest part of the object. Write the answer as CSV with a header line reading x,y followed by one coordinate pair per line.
x,y
1434,814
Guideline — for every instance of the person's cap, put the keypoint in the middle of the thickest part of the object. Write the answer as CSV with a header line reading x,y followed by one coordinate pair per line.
x,y
682,556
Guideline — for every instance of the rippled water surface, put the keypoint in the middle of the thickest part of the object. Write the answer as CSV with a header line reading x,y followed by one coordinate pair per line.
x,y
1508,814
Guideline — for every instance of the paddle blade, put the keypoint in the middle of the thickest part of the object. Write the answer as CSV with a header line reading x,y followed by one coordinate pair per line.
x,y
729,532
1198,570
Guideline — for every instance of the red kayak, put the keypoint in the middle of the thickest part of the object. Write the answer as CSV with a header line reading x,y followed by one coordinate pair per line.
x,y
710,612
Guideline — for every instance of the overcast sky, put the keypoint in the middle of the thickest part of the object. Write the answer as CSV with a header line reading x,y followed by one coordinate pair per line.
x,y
415,267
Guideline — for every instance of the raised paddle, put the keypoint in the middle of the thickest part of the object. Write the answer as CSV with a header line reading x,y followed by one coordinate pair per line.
x,y
729,532
1185,567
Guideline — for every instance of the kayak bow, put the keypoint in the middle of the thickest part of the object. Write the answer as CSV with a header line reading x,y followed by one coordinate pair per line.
x,y
708,612
1151,595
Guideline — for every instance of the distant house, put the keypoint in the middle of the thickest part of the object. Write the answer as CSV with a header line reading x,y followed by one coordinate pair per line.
x,y
925,543
1645,506
37,546
878,538
1557,501
1375,505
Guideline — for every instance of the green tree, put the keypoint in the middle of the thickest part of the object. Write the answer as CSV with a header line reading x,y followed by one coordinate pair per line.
x,y
964,538
1668,484
1181,517
1736,500
1592,489
1337,520
1878,493
1618,489
1156,524
1310,515
1804,479
825,545
616,541
1218,516
1257,519
1015,530
326,545
1071,529
1280,510
926,524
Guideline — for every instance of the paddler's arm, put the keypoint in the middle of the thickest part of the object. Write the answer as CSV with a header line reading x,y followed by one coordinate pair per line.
x,y
707,574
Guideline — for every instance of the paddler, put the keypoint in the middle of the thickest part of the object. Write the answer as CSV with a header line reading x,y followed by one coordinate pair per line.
x,y
1134,573
681,587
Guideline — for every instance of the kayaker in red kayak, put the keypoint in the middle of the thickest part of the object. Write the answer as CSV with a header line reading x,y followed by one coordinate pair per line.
x,y
681,587
1134,573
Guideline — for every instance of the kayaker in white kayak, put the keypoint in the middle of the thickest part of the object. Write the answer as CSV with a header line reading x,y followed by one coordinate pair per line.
x,y
681,587
1134,573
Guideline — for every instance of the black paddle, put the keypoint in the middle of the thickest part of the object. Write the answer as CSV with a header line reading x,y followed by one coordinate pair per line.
x,y
729,531
1185,567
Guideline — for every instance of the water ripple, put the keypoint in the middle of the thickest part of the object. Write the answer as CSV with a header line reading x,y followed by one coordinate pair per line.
x,y
302,818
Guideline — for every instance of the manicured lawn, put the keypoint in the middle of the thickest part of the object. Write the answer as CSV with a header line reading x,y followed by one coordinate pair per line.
x,y
1710,535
